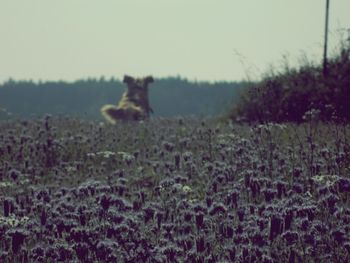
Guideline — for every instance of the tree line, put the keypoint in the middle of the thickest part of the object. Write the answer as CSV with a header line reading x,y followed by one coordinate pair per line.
x,y
169,97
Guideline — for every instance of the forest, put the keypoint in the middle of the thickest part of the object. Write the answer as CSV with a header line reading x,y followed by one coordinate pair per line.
x,y
169,97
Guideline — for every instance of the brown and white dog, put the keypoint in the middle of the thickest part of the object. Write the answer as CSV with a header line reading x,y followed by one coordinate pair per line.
x,y
134,104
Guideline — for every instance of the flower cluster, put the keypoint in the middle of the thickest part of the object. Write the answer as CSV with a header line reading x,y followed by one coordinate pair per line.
x,y
172,191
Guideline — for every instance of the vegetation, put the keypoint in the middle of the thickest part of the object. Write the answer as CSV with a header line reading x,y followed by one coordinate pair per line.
x,y
168,97
180,190
286,95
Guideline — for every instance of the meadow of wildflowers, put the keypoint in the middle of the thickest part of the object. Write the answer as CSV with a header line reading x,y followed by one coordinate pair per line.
x,y
179,190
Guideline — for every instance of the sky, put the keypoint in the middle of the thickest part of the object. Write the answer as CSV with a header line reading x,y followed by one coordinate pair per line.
x,y
203,40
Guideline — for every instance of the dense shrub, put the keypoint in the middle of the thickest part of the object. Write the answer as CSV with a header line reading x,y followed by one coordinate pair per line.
x,y
291,92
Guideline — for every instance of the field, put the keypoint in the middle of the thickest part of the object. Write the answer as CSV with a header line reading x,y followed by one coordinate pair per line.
x,y
174,190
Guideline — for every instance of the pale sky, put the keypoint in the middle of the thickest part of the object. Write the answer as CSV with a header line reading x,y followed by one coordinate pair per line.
x,y
197,39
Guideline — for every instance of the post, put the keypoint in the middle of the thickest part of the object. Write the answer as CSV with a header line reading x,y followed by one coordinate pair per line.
x,y
325,69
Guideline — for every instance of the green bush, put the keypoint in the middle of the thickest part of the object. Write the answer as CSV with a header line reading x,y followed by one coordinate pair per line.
x,y
286,96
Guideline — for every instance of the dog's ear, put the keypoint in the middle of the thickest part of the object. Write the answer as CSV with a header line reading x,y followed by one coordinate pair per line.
x,y
149,79
127,79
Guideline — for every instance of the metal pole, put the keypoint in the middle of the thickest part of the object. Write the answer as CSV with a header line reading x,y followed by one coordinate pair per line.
x,y
325,69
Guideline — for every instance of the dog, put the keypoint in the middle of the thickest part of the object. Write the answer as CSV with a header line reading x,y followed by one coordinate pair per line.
x,y
134,104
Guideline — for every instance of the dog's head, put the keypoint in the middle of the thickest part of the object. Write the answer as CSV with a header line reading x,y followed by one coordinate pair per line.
x,y
138,88
138,83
